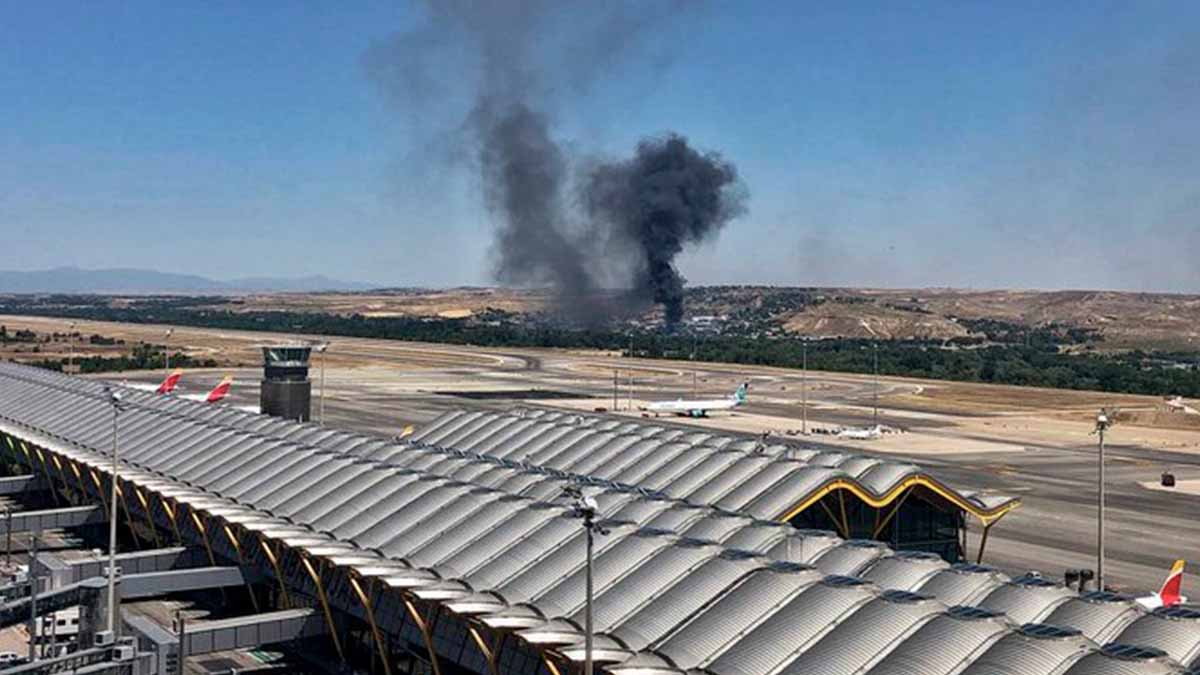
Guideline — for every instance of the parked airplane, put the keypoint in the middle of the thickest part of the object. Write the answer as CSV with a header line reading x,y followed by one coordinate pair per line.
x,y
1171,592
171,384
167,386
700,408
217,395
863,434
1176,404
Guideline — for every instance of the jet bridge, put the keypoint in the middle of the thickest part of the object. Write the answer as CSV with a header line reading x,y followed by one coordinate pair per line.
x,y
16,485
51,519
204,637
131,586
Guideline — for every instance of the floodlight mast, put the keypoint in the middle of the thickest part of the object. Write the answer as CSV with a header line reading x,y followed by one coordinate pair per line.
x,y
321,348
804,386
114,399
1104,420
167,351
71,347
586,508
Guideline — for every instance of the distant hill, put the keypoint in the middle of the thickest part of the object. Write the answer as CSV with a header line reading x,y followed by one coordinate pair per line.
x,y
139,281
1100,320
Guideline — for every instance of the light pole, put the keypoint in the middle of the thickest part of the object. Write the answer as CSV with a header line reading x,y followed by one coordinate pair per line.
x,y
114,399
167,351
71,347
1103,422
875,393
804,386
585,508
321,348
616,374
692,358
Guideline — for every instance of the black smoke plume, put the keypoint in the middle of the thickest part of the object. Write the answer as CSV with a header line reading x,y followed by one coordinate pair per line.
x,y
524,174
664,198
629,219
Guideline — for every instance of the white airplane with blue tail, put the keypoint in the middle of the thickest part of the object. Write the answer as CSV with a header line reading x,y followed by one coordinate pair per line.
x,y
700,408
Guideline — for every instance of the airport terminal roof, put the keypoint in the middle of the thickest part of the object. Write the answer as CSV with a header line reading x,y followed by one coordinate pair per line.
x,y
682,586
762,478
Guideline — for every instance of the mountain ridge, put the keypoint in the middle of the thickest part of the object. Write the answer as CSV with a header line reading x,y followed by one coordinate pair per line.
x,y
145,281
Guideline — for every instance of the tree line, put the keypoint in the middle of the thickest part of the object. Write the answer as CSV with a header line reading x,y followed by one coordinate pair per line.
x,y
1035,362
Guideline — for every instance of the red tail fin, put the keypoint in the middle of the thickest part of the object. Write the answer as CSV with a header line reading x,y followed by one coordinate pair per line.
x,y
168,385
220,391
1172,590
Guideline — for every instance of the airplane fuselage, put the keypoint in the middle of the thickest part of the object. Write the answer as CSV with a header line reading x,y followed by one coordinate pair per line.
x,y
691,408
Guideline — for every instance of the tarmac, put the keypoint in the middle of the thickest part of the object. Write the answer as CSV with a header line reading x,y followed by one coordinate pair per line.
x,y
380,387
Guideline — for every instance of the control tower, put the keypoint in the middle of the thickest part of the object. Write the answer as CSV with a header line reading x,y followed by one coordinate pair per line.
x,y
286,389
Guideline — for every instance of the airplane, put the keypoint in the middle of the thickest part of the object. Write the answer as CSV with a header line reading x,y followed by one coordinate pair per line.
x,y
1170,593
167,386
1176,404
217,395
171,383
684,408
863,434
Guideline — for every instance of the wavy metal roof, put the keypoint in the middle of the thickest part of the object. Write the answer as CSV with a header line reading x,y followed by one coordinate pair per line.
x,y
680,586
763,479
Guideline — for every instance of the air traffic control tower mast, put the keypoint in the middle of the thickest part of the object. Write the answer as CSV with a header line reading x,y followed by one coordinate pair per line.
x,y
286,389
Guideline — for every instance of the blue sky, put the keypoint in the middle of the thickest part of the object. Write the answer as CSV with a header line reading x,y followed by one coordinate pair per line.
x,y
977,144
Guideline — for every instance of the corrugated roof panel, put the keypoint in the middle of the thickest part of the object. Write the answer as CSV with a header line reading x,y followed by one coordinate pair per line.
x,y
797,625
719,625
368,496
1100,616
472,441
803,546
963,584
716,526
905,570
655,616
502,551
782,496
641,584
564,594
1114,662
687,483
421,530
850,558
768,474
588,464
943,645
561,455
637,472
1027,599
733,475
1175,630
758,535
1031,654
866,636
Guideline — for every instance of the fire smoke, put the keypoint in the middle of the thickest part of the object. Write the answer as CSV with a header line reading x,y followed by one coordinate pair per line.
x,y
577,225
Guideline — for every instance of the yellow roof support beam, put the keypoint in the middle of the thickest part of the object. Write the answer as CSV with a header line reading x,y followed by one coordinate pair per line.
x,y
985,516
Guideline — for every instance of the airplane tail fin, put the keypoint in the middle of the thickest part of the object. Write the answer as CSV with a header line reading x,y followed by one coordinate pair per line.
x,y
1172,589
220,391
739,396
168,385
